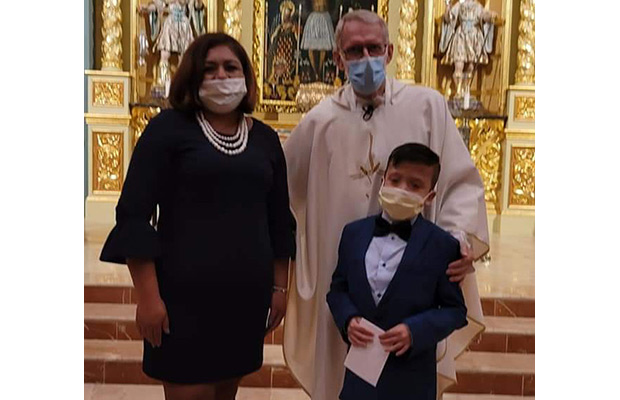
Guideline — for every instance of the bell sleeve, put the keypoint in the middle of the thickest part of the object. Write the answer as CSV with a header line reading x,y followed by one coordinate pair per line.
x,y
133,236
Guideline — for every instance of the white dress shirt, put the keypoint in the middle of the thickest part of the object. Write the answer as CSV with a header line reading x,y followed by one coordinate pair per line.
x,y
382,259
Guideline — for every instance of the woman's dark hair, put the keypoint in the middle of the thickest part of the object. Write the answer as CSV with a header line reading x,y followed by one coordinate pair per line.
x,y
184,87
416,153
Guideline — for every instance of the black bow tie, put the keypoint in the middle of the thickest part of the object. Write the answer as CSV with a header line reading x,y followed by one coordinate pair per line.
x,y
384,228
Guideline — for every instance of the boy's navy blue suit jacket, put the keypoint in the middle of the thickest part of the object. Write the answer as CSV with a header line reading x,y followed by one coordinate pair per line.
x,y
419,295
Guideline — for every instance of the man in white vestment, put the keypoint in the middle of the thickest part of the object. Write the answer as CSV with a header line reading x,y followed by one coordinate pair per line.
x,y
336,158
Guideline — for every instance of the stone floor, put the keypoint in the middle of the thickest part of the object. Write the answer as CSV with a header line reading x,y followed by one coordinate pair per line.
x,y
156,392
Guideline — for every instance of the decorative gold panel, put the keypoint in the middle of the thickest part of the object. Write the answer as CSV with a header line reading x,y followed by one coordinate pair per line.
x,y
522,176
232,18
408,26
140,117
485,146
107,158
112,32
525,108
526,44
108,94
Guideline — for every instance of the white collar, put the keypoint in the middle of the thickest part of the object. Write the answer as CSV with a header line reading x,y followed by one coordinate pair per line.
x,y
388,219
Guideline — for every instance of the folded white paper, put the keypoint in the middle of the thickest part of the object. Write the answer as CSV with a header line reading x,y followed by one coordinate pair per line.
x,y
368,362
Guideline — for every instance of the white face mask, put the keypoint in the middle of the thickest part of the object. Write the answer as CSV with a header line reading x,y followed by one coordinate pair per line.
x,y
400,204
222,96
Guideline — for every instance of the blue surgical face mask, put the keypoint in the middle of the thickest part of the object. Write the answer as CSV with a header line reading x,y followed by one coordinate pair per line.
x,y
367,74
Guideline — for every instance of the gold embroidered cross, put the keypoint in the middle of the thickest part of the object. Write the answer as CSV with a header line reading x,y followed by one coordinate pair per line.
x,y
369,170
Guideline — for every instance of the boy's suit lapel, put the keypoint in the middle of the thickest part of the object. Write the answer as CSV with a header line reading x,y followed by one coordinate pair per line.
x,y
420,234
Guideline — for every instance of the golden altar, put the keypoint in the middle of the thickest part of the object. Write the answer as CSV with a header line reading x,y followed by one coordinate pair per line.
x,y
501,141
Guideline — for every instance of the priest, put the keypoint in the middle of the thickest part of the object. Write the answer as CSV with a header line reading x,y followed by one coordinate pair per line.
x,y
336,158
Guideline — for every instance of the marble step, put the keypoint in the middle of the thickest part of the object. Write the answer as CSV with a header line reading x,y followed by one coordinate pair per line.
x,y
491,306
95,391
119,361
506,335
116,322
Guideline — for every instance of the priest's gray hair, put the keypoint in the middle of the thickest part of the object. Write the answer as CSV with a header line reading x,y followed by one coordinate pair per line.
x,y
366,16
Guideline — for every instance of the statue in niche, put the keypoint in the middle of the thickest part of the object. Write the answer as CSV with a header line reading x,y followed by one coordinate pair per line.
x,y
466,41
197,16
282,58
170,24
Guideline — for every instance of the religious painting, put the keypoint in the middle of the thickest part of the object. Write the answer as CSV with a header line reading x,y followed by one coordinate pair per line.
x,y
293,44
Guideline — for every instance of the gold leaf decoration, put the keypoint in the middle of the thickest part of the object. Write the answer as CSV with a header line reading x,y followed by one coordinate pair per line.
x,y
107,161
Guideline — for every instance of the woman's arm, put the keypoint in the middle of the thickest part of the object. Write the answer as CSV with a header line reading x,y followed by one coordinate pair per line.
x,y
281,232
151,314
133,240
278,299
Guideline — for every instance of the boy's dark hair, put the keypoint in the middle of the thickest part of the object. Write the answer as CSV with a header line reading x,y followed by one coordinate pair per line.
x,y
416,153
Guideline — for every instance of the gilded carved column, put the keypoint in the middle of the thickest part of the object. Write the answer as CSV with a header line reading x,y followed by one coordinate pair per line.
x,y
232,18
485,146
526,44
140,117
108,170
406,40
112,31
522,176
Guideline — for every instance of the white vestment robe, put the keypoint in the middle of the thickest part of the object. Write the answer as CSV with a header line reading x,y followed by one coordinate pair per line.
x,y
335,163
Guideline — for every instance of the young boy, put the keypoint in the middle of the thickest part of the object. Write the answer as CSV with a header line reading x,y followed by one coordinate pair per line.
x,y
392,271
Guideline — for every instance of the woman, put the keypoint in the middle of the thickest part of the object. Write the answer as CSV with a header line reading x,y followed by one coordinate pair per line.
x,y
207,277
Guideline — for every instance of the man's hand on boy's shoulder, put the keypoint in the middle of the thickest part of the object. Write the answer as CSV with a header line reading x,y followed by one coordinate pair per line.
x,y
357,334
397,339
458,270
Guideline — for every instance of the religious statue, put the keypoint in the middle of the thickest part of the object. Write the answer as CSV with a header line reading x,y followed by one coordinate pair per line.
x,y
466,41
174,35
197,16
282,57
318,36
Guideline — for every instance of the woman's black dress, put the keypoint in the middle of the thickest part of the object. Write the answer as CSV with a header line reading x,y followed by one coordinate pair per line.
x,y
222,222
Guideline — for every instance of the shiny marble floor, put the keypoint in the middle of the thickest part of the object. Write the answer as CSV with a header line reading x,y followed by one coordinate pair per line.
x,y
508,274
156,392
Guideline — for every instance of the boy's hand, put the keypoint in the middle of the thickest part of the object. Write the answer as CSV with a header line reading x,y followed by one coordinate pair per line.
x,y
357,334
397,339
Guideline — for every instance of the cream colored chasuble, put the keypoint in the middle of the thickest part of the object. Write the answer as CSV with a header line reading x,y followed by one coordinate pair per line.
x,y
335,162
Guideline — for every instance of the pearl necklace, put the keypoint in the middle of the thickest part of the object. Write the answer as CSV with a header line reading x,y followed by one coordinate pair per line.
x,y
229,145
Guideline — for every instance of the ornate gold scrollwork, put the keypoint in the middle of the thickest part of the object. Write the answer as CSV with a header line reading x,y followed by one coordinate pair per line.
x,y
108,94
408,26
522,176
112,31
107,161
526,44
232,18
311,94
485,146
140,117
525,108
